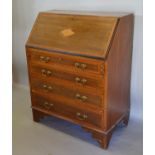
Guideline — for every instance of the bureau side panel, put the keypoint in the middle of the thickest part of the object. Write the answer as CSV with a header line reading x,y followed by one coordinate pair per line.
x,y
28,57
119,71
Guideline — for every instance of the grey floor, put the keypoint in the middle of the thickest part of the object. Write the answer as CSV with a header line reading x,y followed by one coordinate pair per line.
x,y
57,137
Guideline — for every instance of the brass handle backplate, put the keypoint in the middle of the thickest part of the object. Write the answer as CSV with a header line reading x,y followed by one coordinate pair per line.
x,y
77,64
81,116
83,66
84,98
78,96
77,79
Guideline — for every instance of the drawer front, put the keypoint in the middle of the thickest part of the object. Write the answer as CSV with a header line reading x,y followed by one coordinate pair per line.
x,y
66,61
78,80
73,94
64,110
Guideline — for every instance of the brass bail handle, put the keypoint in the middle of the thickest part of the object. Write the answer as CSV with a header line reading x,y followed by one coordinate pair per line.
x,y
80,65
48,105
46,72
44,59
47,88
81,116
79,80
80,97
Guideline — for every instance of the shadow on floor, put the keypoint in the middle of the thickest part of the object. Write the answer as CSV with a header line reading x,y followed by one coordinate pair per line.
x,y
72,129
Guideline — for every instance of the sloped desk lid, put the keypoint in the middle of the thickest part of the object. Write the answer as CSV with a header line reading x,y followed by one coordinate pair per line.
x,y
77,34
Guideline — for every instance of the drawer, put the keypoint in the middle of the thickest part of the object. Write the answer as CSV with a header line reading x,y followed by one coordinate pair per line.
x,y
75,114
68,62
58,91
50,73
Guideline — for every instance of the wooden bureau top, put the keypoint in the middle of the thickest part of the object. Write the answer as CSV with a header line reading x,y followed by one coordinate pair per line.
x,y
76,33
92,13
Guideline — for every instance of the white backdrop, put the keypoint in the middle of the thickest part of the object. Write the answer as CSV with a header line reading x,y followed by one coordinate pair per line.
x,y
25,12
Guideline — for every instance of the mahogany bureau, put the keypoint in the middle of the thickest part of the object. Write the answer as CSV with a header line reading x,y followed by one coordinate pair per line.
x,y
79,67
